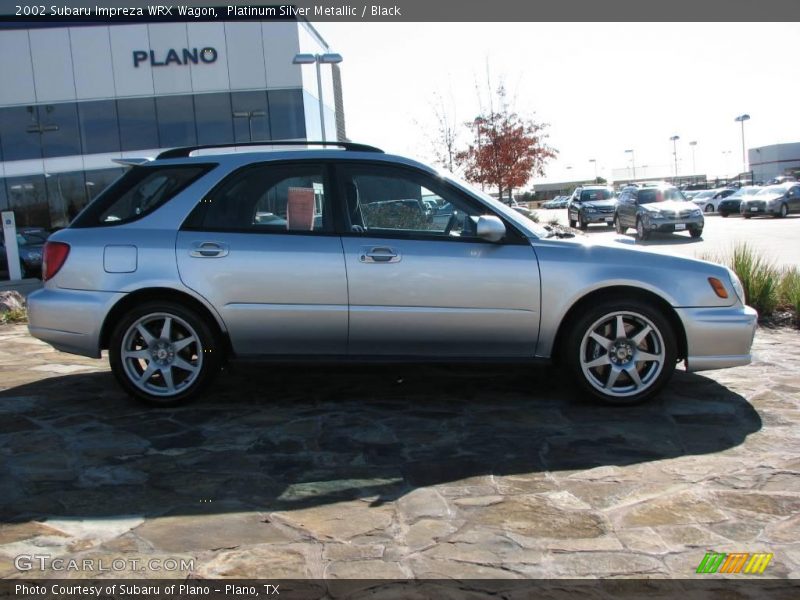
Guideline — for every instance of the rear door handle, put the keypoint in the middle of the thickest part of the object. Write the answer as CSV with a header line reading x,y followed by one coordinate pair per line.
x,y
208,250
379,254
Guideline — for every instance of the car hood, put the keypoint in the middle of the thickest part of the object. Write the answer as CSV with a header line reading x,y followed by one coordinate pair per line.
x,y
599,203
676,205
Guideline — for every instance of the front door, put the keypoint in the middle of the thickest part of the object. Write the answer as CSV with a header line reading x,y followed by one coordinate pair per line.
x,y
421,283
261,249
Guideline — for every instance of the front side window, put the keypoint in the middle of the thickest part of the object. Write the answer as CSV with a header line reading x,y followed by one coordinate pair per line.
x,y
381,201
267,199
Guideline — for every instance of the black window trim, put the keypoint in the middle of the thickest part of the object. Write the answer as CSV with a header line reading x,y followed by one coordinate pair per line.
x,y
199,210
513,235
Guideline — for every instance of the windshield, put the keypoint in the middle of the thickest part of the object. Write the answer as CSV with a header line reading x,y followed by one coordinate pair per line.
x,y
497,206
593,195
745,191
704,194
651,195
773,190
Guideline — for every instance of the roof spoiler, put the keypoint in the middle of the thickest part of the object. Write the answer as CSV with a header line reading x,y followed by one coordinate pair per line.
x,y
133,161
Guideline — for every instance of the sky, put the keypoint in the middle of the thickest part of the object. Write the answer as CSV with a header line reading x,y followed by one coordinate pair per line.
x,y
602,87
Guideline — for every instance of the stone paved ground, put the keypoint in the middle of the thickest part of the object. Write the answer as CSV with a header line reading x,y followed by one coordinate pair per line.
x,y
394,472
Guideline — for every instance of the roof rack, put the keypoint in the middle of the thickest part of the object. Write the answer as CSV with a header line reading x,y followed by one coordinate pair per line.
x,y
185,151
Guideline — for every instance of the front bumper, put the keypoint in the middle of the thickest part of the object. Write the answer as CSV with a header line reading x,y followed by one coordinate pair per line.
x,y
673,225
598,217
758,209
718,338
70,320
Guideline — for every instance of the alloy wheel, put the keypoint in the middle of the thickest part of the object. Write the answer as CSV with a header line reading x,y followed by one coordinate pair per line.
x,y
622,354
161,354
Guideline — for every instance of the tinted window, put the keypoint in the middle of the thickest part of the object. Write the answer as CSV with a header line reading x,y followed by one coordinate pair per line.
x,y
286,114
99,126
214,119
250,116
267,198
66,194
382,200
19,133
138,126
58,124
3,196
591,195
176,121
139,192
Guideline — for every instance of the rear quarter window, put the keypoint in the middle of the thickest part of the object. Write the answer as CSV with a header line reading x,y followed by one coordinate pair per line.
x,y
139,191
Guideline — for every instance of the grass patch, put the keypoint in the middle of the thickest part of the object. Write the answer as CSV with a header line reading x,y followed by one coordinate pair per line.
x,y
789,291
760,278
9,317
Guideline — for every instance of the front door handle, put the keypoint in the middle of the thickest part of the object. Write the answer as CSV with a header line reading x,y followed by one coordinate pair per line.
x,y
208,250
379,254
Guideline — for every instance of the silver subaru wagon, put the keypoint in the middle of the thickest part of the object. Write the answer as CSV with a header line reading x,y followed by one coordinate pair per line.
x,y
340,250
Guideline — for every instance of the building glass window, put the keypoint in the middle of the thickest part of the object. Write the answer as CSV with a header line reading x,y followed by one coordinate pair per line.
x,y
99,126
3,196
58,127
66,194
214,118
28,199
98,180
176,122
286,114
138,127
250,116
18,142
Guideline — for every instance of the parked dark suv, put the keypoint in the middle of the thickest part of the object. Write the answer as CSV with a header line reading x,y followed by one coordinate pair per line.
x,y
659,207
591,204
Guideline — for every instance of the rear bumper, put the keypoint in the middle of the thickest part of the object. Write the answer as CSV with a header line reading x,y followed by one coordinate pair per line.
x,y
70,320
718,338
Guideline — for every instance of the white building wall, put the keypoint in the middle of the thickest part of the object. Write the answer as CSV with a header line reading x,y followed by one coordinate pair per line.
x,y
128,80
52,59
91,62
16,73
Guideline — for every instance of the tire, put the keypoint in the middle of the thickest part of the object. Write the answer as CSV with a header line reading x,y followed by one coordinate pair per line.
x,y
594,340
618,225
583,225
696,233
175,384
709,208
746,216
724,214
572,223
641,233
784,210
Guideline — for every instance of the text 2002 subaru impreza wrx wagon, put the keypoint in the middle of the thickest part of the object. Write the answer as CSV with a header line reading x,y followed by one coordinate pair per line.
x,y
189,260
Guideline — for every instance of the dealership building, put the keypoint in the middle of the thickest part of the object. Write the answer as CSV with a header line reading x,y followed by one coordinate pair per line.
x,y
775,160
74,98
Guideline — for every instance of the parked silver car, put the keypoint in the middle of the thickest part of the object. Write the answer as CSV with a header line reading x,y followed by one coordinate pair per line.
x,y
173,271
657,208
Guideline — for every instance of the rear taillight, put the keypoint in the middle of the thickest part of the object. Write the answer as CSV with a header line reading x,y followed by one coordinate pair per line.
x,y
54,256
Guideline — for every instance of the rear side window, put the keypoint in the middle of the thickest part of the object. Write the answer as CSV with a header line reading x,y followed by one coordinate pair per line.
x,y
140,191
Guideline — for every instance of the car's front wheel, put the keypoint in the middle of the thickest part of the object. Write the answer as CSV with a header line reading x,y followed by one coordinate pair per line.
x,y
163,353
618,225
696,232
783,211
709,208
621,352
641,233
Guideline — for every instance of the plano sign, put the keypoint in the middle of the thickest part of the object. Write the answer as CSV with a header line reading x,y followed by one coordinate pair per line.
x,y
184,56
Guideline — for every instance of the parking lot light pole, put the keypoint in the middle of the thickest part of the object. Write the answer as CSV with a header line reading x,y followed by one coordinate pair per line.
x,y
633,161
741,119
328,58
694,164
674,140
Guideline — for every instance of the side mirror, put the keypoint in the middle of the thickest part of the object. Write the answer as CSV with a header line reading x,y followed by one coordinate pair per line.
x,y
490,228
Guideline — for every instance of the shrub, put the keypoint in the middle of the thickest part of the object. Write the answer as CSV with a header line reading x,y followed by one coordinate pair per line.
x,y
17,315
789,291
759,277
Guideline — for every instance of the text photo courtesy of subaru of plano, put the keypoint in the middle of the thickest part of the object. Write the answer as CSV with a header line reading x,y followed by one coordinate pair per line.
x,y
658,208
188,261
592,204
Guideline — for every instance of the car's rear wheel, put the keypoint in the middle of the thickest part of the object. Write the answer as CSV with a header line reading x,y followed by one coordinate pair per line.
x,y
641,233
618,225
163,353
709,208
621,351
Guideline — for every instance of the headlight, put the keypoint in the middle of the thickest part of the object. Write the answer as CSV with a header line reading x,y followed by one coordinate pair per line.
x,y
655,213
590,209
696,212
737,285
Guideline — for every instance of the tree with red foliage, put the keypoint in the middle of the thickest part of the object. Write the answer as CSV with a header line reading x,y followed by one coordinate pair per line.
x,y
507,149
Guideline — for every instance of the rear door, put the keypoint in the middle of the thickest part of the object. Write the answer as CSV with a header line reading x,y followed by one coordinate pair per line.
x,y
425,284
261,248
